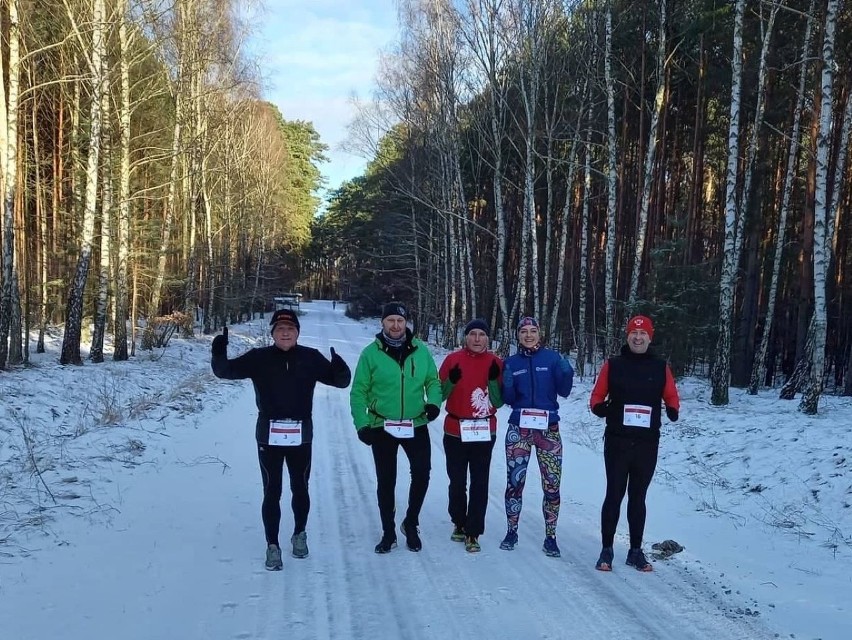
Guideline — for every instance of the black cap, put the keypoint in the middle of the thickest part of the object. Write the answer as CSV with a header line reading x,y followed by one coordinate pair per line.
x,y
285,315
394,309
477,323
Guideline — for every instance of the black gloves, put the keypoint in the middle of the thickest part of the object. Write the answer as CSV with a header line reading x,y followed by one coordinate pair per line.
x,y
431,412
367,436
601,409
494,370
220,344
454,376
672,414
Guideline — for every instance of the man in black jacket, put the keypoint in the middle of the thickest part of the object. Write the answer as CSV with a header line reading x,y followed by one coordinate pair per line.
x,y
284,376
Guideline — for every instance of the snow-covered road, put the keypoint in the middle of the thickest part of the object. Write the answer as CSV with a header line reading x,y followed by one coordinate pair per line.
x,y
182,556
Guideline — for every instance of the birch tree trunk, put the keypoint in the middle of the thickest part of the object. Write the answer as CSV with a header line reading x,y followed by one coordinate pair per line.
x,y
650,157
96,354
758,372
583,333
821,255
9,164
74,309
721,374
123,249
612,186
182,36
484,34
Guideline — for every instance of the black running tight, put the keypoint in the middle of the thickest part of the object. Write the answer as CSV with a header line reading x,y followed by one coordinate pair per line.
x,y
272,470
630,466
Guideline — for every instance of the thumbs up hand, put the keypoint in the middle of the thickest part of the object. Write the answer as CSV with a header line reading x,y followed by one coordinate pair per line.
x,y
220,344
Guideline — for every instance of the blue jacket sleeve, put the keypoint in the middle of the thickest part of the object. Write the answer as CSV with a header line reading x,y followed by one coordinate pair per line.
x,y
508,388
565,380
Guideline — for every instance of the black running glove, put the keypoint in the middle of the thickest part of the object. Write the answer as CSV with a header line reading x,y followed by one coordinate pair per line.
x,y
431,412
220,344
455,374
367,436
601,409
672,414
494,370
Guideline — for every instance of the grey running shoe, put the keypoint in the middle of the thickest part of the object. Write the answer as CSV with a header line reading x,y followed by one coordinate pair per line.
x,y
273,558
300,544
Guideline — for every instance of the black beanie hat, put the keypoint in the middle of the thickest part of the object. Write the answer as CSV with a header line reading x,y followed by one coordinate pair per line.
x,y
477,323
394,309
285,315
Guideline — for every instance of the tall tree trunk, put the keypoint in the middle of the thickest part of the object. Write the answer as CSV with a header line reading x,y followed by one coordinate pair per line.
x,y
74,309
813,390
612,189
659,102
582,329
96,354
8,165
121,287
721,374
758,372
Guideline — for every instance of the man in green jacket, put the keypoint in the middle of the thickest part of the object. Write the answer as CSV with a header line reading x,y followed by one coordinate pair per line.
x,y
395,394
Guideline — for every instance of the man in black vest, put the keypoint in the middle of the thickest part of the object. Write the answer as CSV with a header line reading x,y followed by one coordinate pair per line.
x,y
628,393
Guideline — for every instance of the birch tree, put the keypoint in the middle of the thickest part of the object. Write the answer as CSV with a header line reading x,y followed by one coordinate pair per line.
x,y
650,158
758,372
721,374
822,248
74,307
8,165
612,186
123,214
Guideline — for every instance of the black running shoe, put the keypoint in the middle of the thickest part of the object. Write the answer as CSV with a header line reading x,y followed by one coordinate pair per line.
x,y
604,562
387,543
636,559
412,536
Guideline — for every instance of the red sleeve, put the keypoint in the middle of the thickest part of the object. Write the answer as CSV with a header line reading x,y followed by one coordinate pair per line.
x,y
670,396
601,388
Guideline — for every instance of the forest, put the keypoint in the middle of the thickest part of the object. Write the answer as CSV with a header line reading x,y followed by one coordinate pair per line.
x,y
584,161
576,161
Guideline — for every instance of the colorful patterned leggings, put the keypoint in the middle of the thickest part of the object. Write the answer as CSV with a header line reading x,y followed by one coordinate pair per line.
x,y
519,444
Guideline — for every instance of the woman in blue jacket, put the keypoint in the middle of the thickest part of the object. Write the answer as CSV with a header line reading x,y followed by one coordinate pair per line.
x,y
532,380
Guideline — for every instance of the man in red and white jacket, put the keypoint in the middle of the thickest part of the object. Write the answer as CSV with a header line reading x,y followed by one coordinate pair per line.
x,y
470,381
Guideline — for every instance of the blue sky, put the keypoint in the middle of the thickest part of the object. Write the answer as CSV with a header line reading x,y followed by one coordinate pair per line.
x,y
317,54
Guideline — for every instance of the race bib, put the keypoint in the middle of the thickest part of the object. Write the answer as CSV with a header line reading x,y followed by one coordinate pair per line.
x,y
475,430
637,415
285,433
534,419
400,428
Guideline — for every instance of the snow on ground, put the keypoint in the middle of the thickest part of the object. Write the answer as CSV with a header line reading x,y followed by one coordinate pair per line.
x,y
130,500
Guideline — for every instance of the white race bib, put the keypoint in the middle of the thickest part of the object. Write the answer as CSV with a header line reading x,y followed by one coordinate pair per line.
x,y
475,430
400,428
637,415
285,433
534,419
